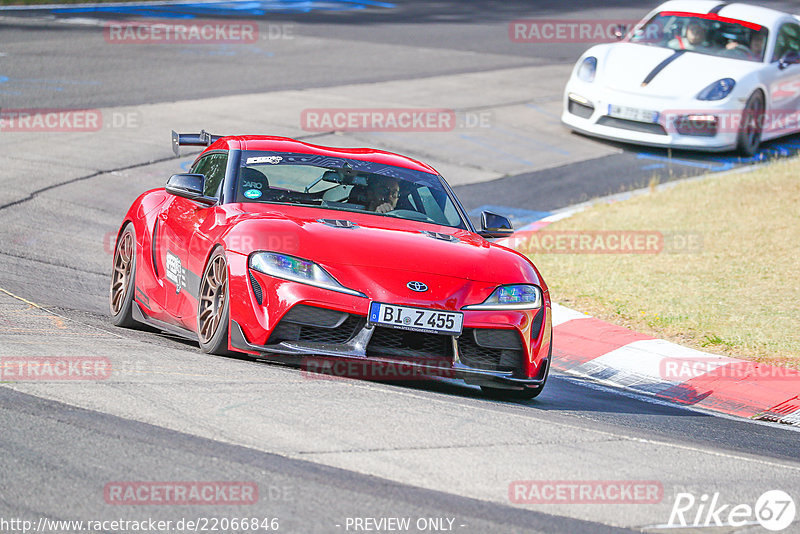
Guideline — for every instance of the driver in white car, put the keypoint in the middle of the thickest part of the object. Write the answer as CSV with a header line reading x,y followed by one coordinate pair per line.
x,y
756,49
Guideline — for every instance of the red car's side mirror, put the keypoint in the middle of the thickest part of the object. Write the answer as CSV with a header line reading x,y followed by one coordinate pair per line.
x,y
189,186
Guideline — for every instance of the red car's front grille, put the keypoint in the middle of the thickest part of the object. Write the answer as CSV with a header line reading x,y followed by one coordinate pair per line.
x,y
404,344
488,349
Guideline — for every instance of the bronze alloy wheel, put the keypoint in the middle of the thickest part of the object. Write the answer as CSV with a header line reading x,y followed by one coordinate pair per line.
x,y
213,294
123,268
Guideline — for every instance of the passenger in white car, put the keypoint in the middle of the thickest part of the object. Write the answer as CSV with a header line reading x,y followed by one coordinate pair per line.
x,y
695,38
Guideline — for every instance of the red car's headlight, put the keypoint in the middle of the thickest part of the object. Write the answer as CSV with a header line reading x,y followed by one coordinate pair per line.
x,y
297,270
511,297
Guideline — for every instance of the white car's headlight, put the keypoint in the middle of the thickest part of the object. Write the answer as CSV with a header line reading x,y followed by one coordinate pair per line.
x,y
511,297
588,69
297,270
717,90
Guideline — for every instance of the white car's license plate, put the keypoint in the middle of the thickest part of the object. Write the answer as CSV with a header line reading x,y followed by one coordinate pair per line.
x,y
632,114
416,319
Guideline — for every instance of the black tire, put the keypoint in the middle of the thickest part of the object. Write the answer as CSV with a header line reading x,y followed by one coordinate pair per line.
x,y
749,138
123,279
213,306
516,394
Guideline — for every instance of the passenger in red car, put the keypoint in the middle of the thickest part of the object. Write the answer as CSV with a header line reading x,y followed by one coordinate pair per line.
x,y
382,194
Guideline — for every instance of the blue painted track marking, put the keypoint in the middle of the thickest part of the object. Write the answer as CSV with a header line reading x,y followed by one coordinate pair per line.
x,y
492,148
719,163
526,139
4,79
722,166
518,216
543,112
41,83
226,50
188,10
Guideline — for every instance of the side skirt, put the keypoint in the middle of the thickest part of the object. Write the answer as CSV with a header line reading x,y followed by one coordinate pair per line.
x,y
140,316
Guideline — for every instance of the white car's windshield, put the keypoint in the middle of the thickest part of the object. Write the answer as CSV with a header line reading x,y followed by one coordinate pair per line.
x,y
345,185
705,34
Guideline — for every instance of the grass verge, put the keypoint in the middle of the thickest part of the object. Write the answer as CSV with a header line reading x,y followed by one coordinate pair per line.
x,y
734,287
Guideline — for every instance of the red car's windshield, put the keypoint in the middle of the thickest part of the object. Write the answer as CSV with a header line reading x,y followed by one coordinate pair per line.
x,y
705,34
345,185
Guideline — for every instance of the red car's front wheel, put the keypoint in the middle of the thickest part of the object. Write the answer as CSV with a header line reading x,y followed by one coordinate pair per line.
x,y
123,278
213,307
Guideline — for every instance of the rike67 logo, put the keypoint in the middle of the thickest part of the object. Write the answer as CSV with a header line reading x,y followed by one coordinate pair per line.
x,y
774,510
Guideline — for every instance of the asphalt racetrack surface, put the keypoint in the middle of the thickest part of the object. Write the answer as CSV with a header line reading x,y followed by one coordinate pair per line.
x,y
323,453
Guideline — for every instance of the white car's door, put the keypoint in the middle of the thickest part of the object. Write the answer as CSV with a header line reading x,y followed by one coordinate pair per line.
x,y
783,83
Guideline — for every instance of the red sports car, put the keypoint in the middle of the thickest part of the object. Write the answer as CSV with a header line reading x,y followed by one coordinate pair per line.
x,y
295,252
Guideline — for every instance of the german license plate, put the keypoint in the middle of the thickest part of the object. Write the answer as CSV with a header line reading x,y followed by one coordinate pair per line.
x,y
416,319
632,114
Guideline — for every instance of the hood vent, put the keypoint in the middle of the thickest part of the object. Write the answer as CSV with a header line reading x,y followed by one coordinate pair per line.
x,y
338,223
440,236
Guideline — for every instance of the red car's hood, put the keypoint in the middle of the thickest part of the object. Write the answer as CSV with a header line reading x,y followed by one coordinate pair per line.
x,y
377,242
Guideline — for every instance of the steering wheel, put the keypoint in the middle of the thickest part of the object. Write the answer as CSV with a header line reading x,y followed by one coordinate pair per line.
x,y
739,51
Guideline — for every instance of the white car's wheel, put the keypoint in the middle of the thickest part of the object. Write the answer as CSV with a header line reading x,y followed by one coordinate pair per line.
x,y
749,138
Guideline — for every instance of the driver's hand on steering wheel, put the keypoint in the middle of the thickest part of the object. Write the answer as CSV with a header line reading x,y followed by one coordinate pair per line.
x,y
386,207
733,45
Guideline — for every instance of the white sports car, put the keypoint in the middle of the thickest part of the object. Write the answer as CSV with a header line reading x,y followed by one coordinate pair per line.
x,y
701,75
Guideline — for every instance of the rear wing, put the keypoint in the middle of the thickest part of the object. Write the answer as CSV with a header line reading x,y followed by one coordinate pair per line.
x,y
192,139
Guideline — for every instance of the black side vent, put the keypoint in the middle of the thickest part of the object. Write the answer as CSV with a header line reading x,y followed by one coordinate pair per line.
x,y
492,359
440,236
583,111
316,325
634,126
256,289
313,316
338,223
492,338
